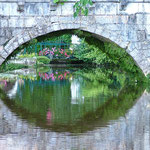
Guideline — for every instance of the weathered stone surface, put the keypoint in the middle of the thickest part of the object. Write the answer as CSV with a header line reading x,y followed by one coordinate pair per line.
x,y
128,27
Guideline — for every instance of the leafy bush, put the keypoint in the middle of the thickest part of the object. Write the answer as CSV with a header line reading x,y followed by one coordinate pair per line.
x,y
92,50
27,55
43,60
12,66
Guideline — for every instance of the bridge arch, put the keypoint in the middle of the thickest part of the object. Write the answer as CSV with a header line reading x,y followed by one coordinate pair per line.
x,y
100,32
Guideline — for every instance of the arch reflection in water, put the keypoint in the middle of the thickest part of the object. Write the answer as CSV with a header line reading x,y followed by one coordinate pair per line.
x,y
73,100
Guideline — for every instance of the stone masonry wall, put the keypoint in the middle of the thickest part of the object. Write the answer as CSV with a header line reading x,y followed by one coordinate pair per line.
x,y
126,24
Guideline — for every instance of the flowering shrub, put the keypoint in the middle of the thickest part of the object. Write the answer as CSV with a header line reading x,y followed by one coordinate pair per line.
x,y
54,52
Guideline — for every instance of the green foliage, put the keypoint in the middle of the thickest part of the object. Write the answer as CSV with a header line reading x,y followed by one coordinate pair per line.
x,y
94,51
11,66
81,7
65,38
27,55
91,53
43,60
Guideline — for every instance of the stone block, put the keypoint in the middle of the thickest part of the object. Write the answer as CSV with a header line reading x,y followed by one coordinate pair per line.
x,y
69,26
132,8
56,26
76,26
30,22
3,54
136,55
144,45
4,23
20,40
3,40
140,19
1,48
5,9
106,19
15,45
34,32
35,9
57,12
46,8
55,19
141,35
2,32
99,29
10,49
26,37
16,22
106,8
10,43
147,19
16,31
8,33
67,9
13,9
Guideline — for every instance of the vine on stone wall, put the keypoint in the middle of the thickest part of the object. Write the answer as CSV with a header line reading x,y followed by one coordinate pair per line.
x,y
80,7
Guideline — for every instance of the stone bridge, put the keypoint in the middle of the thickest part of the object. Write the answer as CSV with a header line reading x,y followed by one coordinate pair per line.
x,y
124,22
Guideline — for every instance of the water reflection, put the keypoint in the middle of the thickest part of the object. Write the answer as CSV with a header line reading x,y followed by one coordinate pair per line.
x,y
72,109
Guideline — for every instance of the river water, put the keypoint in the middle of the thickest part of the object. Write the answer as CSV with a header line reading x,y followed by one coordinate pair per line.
x,y
73,109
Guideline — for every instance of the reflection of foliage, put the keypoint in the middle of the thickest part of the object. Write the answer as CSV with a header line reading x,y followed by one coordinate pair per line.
x,y
33,100
99,75
43,69
3,83
98,81
119,105
28,77
114,108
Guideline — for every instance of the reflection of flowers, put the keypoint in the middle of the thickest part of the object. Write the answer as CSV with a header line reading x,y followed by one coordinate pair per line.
x,y
49,116
54,76
4,82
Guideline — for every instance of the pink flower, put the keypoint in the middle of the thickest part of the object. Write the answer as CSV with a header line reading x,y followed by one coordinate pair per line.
x,y
49,115
53,78
52,53
51,75
61,52
65,74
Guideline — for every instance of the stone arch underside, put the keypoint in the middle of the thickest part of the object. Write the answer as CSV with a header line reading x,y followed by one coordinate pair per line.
x,y
116,34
